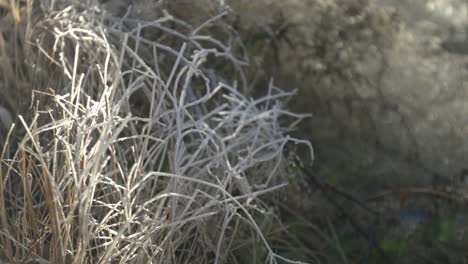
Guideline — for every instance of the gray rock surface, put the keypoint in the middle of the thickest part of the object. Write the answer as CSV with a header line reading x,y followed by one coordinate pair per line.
x,y
426,82
391,98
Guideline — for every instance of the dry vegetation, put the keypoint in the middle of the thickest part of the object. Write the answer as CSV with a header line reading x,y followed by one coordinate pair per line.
x,y
135,141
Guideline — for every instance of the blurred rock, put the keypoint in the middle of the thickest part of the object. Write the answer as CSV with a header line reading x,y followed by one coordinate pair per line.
x,y
390,96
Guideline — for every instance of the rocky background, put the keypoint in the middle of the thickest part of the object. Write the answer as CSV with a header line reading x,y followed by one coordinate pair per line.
x,y
386,82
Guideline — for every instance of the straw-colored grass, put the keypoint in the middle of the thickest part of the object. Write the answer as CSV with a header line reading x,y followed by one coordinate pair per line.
x,y
138,145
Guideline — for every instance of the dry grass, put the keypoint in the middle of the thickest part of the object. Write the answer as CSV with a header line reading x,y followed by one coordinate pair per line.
x,y
138,147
